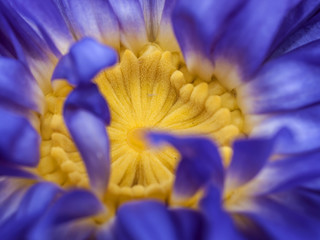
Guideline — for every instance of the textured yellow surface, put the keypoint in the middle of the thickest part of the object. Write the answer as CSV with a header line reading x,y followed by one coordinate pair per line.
x,y
149,91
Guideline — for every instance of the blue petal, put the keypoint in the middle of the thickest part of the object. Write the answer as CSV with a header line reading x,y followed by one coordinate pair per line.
x,y
132,23
144,220
85,59
93,19
17,86
189,224
24,35
249,157
302,200
165,34
249,35
286,83
285,174
305,34
280,222
9,40
12,191
200,163
89,98
48,19
15,171
304,125
86,114
198,25
33,205
219,225
19,141
71,207
152,11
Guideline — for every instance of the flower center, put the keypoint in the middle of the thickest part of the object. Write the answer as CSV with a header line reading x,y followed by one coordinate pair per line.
x,y
136,139
149,91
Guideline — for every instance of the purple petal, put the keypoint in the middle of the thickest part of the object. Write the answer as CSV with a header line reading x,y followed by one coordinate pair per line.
x,y
15,171
132,23
85,59
285,174
89,98
165,35
12,191
18,87
46,16
152,11
71,207
33,205
280,222
22,33
200,162
219,225
189,224
86,114
198,24
308,32
19,141
286,83
144,220
10,43
249,157
254,27
304,125
94,19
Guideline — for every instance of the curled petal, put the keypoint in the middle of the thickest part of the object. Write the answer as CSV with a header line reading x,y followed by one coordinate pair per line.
x,y
85,59
200,163
19,141
249,157
86,114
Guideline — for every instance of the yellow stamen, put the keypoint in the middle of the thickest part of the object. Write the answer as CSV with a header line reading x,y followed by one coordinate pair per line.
x,y
149,91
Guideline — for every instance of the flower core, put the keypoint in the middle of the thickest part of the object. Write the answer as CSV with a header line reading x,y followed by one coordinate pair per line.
x,y
151,90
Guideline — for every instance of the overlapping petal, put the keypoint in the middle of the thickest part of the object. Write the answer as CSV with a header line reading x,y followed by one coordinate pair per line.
x,y
85,59
249,157
285,83
23,91
200,163
63,219
303,123
153,223
92,19
19,141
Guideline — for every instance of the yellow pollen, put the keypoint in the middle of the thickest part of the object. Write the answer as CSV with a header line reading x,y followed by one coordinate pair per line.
x,y
149,91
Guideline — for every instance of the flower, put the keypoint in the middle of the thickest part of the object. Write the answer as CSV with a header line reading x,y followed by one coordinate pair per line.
x,y
254,197
75,150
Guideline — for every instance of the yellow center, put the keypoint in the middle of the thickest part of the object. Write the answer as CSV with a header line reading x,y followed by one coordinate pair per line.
x,y
149,91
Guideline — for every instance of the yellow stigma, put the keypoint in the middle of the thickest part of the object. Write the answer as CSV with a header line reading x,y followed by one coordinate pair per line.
x,y
149,91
